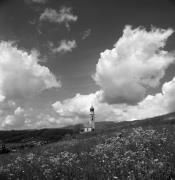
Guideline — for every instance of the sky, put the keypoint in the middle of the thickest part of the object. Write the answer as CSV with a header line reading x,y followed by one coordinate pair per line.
x,y
57,58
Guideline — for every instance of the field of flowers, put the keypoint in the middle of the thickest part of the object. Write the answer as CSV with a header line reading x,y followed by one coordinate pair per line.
x,y
137,153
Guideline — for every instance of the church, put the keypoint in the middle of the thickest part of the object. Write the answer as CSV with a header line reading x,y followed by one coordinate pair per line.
x,y
90,127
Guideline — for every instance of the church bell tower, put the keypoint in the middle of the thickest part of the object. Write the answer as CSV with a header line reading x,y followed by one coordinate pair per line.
x,y
92,118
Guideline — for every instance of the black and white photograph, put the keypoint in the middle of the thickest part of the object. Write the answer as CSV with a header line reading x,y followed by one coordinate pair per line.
x,y
87,89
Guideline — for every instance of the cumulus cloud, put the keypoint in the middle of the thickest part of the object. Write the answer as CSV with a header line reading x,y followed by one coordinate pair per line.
x,y
168,95
86,34
39,1
36,1
51,120
77,108
78,105
18,111
64,15
21,75
155,105
13,116
65,46
8,122
14,119
137,62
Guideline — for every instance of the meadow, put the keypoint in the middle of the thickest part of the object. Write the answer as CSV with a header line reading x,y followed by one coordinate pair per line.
x,y
129,153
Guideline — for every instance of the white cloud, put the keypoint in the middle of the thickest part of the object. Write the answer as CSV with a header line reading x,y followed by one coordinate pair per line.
x,y
77,108
36,1
18,111
8,121
50,121
26,118
86,34
137,62
155,105
21,75
168,93
39,1
13,120
64,15
65,46
78,105
2,98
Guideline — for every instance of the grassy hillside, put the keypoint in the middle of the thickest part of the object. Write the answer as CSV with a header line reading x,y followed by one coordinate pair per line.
x,y
142,149
18,136
15,136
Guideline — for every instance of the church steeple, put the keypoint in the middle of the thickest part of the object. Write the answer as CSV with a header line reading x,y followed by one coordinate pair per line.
x,y
92,118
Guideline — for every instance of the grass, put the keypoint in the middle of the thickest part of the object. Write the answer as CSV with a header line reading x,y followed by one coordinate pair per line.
x,y
131,153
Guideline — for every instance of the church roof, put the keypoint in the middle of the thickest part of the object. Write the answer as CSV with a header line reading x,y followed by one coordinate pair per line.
x,y
92,109
87,125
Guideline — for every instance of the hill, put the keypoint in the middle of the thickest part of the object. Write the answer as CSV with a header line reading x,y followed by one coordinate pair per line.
x,y
155,122
133,150
18,136
56,134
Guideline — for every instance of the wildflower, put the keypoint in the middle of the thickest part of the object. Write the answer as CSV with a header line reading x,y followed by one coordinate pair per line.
x,y
115,177
156,160
30,156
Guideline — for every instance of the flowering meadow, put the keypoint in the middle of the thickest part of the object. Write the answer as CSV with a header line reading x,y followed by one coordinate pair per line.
x,y
131,154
